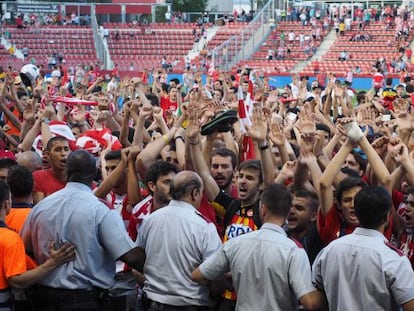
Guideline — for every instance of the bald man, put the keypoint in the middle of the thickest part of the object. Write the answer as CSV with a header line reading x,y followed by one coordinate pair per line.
x,y
176,239
30,160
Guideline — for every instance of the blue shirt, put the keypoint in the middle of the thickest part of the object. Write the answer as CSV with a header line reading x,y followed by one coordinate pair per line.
x,y
75,215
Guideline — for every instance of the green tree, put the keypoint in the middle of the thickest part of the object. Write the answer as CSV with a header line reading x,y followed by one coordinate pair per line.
x,y
189,5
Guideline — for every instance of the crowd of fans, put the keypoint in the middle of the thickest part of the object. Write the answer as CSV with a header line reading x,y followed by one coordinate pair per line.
x,y
177,167
240,134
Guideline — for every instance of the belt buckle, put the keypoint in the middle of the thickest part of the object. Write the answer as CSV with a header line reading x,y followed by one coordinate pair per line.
x,y
157,306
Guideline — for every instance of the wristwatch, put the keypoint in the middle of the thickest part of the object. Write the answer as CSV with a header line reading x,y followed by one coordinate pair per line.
x,y
46,120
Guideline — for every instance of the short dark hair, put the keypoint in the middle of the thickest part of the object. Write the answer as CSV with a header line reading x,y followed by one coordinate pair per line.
x,y
175,80
182,189
81,167
160,168
372,205
409,88
7,163
4,192
388,81
20,180
323,127
346,184
312,196
113,155
277,200
361,96
153,99
254,165
52,141
225,153
350,172
359,159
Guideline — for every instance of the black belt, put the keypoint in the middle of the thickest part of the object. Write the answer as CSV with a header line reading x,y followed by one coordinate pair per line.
x,y
164,307
68,295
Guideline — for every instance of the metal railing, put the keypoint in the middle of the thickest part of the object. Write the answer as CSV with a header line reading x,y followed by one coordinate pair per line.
x,y
239,46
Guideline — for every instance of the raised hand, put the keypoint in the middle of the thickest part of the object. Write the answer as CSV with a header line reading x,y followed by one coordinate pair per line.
x,y
145,112
288,169
133,152
258,130
157,113
306,157
400,106
380,145
403,120
124,155
276,135
307,141
193,127
400,153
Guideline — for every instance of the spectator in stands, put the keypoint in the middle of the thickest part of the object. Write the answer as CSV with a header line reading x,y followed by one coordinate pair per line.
x,y
19,22
168,16
343,56
349,76
302,17
336,25
342,28
378,79
280,52
348,23
270,53
291,37
52,62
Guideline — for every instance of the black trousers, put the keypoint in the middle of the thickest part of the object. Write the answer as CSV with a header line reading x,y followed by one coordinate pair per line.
x,y
151,305
53,299
225,305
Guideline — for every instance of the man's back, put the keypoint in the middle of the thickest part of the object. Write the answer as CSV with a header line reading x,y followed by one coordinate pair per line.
x,y
74,214
176,239
361,272
267,264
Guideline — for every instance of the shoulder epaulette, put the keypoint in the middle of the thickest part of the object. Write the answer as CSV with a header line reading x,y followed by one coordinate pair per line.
x,y
395,249
298,244
202,216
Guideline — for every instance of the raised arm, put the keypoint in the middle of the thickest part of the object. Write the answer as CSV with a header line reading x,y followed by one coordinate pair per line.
x,y
123,134
375,161
134,193
112,179
328,176
193,135
258,132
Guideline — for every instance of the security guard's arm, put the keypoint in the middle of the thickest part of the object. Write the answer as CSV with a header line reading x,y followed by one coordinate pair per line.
x,y
408,306
57,257
196,276
135,258
314,301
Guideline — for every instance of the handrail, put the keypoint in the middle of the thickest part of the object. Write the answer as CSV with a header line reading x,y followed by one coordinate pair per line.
x,y
234,49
